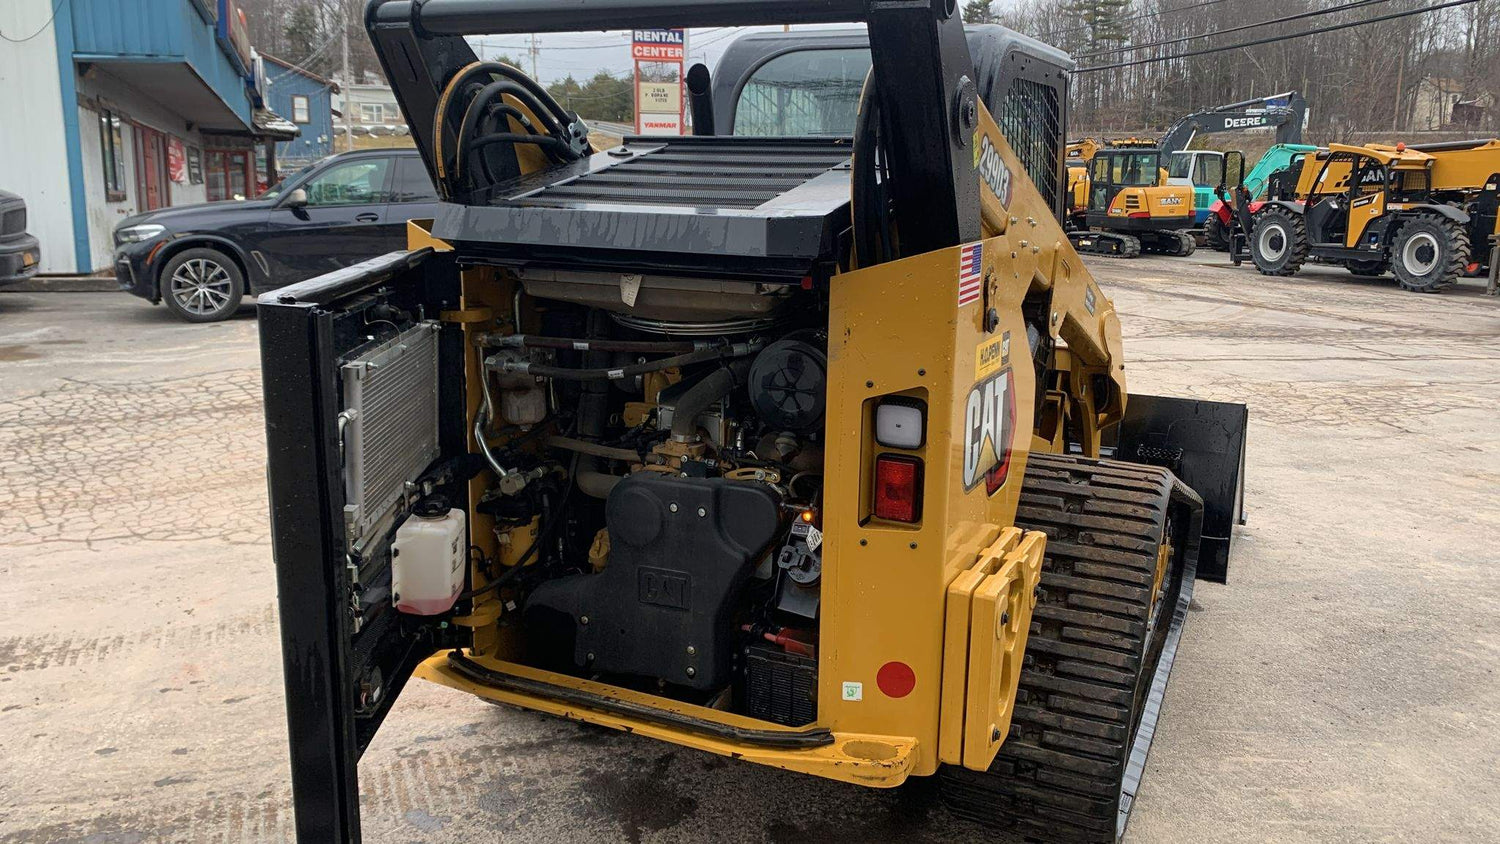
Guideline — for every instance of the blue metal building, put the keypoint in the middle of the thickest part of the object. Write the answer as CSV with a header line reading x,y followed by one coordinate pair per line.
x,y
128,106
306,99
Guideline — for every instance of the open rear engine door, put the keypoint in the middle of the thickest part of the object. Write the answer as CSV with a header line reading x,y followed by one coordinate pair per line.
x,y
364,406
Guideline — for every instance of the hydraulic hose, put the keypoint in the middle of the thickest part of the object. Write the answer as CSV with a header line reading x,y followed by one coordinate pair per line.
x,y
555,120
531,341
618,373
479,107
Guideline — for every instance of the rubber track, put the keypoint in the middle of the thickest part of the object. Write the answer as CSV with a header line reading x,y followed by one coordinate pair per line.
x,y
1088,667
1130,245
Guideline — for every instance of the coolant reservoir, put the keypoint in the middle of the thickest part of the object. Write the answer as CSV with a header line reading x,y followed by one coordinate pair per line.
x,y
427,560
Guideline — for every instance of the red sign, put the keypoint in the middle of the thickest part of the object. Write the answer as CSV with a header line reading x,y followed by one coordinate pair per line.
x,y
656,52
177,160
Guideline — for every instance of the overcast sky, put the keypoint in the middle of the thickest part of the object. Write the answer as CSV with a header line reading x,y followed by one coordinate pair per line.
x,y
586,53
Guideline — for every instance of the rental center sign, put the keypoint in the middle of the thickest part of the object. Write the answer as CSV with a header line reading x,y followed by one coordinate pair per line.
x,y
658,55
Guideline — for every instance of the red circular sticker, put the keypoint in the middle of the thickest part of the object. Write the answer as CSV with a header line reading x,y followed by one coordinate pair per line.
x,y
896,679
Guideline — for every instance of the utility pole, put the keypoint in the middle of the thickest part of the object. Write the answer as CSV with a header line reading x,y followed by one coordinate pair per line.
x,y
348,83
533,51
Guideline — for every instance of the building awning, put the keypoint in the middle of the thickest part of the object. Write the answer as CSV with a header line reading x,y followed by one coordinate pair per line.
x,y
266,123
177,86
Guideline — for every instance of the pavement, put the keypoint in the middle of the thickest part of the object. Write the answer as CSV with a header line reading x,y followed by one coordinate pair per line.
x,y
1342,687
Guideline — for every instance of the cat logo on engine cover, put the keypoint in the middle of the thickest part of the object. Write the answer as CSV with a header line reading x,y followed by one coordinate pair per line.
x,y
989,426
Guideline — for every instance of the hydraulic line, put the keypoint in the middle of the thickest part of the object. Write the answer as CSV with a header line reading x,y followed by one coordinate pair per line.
x,y
531,341
483,418
618,373
555,121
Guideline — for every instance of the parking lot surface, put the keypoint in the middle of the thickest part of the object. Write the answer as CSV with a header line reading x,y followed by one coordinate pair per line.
x,y
1341,687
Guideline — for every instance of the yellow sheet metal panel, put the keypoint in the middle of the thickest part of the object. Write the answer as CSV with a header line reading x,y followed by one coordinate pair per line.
x,y
956,643
894,328
877,761
998,625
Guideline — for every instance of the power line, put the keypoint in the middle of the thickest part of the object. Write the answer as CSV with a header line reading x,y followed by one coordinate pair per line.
x,y
1257,42
1141,16
45,26
1311,14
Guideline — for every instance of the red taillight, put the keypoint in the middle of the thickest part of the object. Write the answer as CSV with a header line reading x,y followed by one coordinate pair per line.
x,y
898,488
1139,215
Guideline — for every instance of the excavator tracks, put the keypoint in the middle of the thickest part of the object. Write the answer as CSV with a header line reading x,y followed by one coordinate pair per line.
x,y
1100,648
1108,244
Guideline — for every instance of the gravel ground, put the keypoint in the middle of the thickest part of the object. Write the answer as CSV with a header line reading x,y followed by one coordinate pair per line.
x,y
1342,687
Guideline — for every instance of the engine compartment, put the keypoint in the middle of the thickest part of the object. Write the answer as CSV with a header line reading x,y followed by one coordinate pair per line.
x,y
653,488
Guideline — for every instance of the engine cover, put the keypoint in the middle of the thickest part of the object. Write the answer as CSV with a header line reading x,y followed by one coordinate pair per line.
x,y
681,550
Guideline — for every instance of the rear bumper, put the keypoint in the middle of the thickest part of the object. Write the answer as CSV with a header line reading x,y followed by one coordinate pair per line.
x,y
20,258
868,760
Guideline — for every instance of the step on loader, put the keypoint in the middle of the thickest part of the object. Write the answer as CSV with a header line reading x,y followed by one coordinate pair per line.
x,y
812,452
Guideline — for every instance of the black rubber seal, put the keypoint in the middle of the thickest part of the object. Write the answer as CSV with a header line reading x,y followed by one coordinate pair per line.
x,y
813,737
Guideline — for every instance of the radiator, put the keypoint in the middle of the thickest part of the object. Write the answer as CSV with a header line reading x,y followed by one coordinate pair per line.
x,y
389,426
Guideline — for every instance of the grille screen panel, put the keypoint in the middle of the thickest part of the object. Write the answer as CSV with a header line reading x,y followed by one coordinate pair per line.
x,y
391,436
1030,118
728,176
14,222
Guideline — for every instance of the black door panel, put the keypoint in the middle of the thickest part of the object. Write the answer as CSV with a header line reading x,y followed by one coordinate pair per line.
x,y
346,651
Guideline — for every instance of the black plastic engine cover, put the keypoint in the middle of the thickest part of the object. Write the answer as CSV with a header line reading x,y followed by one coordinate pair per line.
x,y
680,552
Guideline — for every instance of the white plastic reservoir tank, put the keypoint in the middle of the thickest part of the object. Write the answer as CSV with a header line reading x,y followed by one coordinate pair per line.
x,y
427,560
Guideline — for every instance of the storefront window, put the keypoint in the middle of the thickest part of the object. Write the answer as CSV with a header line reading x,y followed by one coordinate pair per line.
x,y
112,147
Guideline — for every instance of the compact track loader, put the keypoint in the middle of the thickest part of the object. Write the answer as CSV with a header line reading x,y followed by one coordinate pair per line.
x,y
1427,213
812,452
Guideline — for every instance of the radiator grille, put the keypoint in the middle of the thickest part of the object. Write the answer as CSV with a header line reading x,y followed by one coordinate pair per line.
x,y
391,429
13,222
737,175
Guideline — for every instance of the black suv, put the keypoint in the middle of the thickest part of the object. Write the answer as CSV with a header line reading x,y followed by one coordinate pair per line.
x,y
201,259
19,254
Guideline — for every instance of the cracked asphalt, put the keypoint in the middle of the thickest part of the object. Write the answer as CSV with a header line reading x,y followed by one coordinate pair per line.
x,y
1342,687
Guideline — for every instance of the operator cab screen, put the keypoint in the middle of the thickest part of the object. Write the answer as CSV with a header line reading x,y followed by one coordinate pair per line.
x,y
807,92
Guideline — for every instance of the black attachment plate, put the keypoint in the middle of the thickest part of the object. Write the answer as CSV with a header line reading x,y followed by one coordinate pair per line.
x,y
1203,443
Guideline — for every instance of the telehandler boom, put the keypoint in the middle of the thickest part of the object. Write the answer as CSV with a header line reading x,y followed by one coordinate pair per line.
x,y
814,452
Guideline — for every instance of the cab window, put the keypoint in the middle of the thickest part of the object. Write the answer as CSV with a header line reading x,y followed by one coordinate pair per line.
x,y
1181,166
1210,170
359,182
1134,169
808,92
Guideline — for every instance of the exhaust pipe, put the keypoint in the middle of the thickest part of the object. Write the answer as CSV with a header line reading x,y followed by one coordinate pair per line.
x,y
701,99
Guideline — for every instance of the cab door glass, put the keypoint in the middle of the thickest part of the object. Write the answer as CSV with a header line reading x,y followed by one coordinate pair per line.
x,y
412,184
359,182
1210,170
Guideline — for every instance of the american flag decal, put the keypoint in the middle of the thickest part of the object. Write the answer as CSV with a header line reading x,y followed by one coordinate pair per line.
x,y
970,273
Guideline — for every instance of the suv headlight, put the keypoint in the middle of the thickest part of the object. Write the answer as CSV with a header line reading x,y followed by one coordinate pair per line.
x,y
136,234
